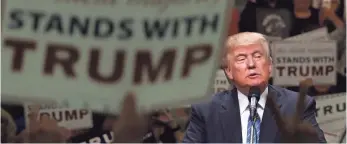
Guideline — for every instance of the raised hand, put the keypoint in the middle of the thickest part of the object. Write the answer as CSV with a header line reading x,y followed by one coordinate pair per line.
x,y
42,130
293,129
132,126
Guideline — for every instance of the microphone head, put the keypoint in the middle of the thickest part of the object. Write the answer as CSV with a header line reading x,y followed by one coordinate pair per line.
x,y
254,92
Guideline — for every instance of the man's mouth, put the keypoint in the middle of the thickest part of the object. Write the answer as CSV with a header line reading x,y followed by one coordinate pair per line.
x,y
253,75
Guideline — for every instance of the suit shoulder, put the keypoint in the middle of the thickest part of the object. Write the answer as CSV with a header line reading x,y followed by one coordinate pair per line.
x,y
216,99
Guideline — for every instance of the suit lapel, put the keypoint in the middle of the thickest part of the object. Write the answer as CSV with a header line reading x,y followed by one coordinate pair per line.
x,y
268,128
230,118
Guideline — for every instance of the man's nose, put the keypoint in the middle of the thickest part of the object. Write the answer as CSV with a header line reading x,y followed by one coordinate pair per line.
x,y
250,63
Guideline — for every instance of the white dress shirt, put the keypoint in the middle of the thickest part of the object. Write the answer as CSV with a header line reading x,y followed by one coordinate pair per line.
x,y
244,110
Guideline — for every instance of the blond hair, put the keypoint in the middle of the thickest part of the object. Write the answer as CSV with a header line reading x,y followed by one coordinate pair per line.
x,y
243,39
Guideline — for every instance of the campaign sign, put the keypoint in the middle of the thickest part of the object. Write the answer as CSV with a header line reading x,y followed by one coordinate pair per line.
x,y
66,117
92,52
317,34
221,82
298,60
331,115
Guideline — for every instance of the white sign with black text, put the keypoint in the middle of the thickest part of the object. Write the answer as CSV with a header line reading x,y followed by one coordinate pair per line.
x,y
331,115
298,60
221,82
91,53
66,117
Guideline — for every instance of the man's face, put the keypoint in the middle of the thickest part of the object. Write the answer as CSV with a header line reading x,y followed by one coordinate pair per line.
x,y
249,65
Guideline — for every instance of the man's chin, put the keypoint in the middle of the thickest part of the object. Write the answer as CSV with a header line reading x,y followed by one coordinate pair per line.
x,y
256,83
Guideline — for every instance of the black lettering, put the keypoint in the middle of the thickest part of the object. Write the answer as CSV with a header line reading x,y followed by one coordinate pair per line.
x,y
175,28
67,62
19,47
37,19
60,118
71,115
118,67
155,27
83,113
16,19
339,109
144,63
292,70
126,27
189,21
55,23
100,24
327,110
212,24
77,24
304,73
329,69
317,110
203,50
317,70
280,70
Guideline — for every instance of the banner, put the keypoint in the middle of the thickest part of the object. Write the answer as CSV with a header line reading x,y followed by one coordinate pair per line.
x,y
331,115
91,53
297,60
66,117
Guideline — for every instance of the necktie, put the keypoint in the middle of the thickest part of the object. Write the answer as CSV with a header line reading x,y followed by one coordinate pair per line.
x,y
256,123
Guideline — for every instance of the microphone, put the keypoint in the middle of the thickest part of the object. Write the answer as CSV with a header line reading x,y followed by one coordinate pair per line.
x,y
253,97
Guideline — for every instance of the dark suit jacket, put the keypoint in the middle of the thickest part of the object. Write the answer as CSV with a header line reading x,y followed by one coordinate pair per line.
x,y
218,121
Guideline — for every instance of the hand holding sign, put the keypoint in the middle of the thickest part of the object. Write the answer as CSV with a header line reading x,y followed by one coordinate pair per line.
x,y
293,129
132,126
42,130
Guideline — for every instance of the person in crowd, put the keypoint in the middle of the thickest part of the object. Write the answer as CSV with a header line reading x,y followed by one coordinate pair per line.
x,y
163,131
332,15
8,127
305,18
283,18
224,119
339,35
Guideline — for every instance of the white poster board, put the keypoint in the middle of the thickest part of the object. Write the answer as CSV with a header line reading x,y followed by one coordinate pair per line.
x,y
66,117
331,115
298,60
221,82
91,53
317,34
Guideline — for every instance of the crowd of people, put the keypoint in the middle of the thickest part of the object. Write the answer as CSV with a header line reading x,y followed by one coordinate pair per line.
x,y
277,19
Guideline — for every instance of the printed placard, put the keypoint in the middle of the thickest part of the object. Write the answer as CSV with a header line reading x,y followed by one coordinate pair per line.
x,y
94,137
69,118
91,53
298,60
221,82
317,34
331,115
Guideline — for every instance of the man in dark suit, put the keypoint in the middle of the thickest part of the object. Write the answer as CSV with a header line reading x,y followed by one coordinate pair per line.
x,y
224,119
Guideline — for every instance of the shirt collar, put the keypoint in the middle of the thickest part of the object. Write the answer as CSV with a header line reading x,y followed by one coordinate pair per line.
x,y
243,100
